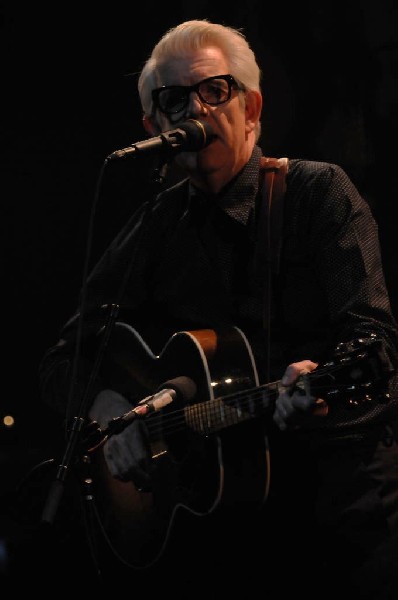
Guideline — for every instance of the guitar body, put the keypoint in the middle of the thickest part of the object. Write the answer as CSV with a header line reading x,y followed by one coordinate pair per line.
x,y
200,463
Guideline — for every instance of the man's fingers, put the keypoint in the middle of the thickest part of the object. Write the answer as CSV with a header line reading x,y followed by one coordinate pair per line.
x,y
294,371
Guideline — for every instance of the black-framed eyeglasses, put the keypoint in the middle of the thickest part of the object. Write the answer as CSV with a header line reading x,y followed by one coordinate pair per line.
x,y
172,99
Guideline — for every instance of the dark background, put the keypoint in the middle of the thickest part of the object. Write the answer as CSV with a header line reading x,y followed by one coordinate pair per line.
x,y
69,98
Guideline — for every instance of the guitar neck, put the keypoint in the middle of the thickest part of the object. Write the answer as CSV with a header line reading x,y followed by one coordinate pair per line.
x,y
217,414
218,361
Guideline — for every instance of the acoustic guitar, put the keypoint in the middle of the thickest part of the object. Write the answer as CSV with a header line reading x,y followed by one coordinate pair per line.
x,y
211,450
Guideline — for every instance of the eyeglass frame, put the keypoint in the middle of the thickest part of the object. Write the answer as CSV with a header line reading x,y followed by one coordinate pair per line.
x,y
188,89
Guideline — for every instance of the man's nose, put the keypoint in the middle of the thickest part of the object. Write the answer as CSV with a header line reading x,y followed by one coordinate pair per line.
x,y
195,105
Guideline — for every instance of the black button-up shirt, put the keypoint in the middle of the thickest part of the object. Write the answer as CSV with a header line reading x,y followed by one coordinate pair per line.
x,y
190,265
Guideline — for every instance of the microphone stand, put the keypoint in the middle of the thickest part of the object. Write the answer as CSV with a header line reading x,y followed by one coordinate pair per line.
x,y
57,488
73,445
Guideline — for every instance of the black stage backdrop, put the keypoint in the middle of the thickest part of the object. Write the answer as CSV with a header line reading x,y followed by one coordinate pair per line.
x,y
68,81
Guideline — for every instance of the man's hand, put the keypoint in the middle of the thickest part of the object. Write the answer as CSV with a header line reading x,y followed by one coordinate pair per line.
x,y
294,406
127,454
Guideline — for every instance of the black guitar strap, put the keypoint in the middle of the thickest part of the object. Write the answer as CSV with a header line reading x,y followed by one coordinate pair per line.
x,y
270,223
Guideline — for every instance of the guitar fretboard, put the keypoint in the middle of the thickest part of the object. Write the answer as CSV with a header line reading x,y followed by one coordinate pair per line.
x,y
215,415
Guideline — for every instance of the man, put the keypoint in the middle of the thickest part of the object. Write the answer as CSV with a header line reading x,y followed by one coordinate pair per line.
x,y
198,262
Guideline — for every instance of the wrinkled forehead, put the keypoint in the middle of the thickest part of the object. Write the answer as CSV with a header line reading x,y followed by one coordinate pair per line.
x,y
190,67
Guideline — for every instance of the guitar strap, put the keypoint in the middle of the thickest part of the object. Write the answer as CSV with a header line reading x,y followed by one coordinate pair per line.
x,y
270,224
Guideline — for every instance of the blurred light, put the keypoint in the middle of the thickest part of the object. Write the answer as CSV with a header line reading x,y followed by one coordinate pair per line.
x,y
8,421
3,556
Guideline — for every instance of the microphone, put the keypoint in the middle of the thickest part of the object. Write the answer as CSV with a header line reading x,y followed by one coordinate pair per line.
x,y
182,389
191,135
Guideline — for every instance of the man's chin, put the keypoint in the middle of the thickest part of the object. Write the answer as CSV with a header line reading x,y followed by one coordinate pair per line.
x,y
192,161
188,161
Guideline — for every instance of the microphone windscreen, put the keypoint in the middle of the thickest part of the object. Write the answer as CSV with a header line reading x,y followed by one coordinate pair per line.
x,y
199,134
184,387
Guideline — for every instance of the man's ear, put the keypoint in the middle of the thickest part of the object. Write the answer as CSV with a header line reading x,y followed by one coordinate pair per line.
x,y
150,126
254,103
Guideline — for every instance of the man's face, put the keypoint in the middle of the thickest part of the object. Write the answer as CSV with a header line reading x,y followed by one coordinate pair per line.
x,y
232,122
